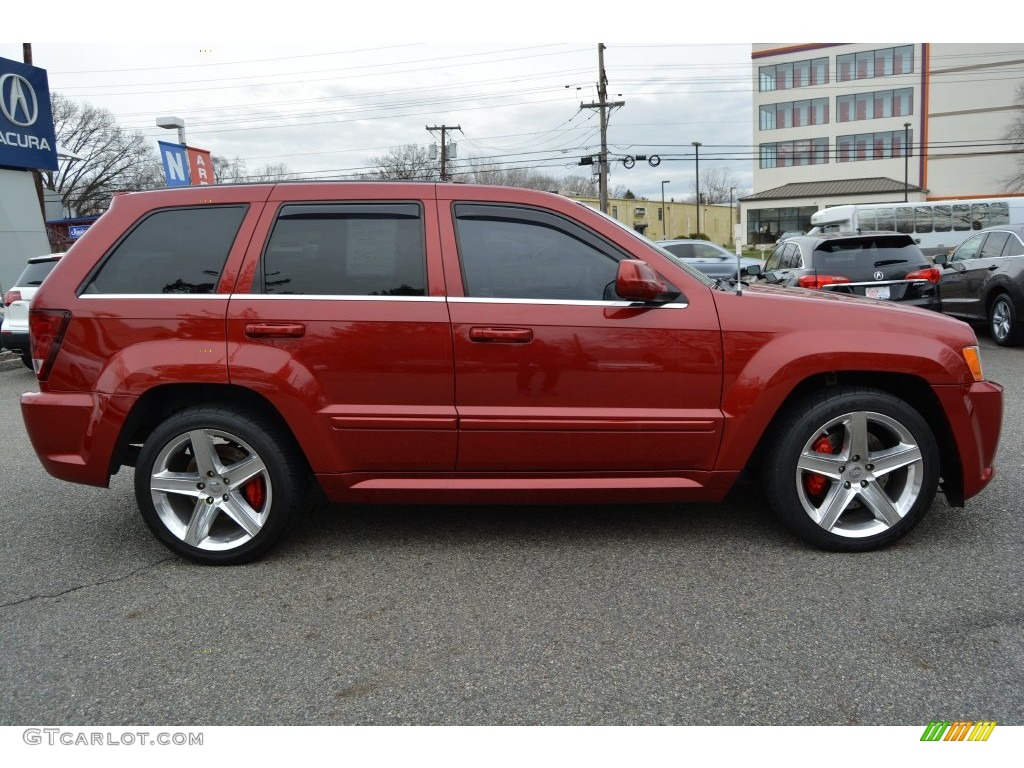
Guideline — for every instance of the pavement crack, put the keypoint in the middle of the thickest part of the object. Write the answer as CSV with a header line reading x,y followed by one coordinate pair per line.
x,y
100,583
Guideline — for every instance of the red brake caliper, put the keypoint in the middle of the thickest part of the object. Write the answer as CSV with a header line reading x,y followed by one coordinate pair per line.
x,y
813,482
255,493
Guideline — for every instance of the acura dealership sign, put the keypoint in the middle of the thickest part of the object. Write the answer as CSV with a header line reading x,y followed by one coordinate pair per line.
x,y
27,138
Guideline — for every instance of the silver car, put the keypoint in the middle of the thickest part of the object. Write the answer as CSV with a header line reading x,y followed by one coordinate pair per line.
x,y
713,260
14,330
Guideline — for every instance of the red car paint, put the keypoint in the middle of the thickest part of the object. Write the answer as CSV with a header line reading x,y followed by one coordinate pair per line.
x,y
451,398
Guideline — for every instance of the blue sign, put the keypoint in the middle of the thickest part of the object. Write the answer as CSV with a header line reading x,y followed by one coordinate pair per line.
x,y
75,231
175,164
27,138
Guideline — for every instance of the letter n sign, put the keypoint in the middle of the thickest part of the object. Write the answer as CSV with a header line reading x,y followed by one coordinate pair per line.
x,y
201,165
175,164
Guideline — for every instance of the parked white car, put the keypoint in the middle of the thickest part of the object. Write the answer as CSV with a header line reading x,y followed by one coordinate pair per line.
x,y
14,330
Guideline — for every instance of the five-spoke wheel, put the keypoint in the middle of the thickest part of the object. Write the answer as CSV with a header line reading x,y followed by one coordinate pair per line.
x,y
216,485
854,470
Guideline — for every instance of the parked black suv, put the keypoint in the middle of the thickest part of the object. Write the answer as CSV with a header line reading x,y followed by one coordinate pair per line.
x,y
878,265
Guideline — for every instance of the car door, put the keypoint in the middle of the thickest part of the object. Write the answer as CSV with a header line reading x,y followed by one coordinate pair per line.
x,y
554,373
341,322
959,272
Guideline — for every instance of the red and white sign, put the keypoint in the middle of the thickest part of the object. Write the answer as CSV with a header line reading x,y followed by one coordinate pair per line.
x,y
200,166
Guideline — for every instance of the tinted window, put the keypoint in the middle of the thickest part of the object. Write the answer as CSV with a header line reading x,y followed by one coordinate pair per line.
x,y
1014,247
358,249
993,246
34,274
774,261
858,257
173,251
510,252
790,257
968,248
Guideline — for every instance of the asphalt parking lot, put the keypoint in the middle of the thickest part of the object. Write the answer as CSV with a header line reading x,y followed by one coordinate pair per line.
x,y
681,615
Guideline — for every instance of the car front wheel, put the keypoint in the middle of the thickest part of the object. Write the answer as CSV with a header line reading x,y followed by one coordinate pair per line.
x,y
852,469
1002,322
217,485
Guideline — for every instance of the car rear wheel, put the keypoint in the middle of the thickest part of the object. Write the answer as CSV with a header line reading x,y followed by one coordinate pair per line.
x,y
852,469
1002,322
218,485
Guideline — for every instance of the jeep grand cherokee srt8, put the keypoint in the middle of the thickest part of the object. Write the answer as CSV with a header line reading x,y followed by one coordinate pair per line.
x,y
414,342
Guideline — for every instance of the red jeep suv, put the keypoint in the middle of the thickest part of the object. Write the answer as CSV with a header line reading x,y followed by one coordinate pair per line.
x,y
415,342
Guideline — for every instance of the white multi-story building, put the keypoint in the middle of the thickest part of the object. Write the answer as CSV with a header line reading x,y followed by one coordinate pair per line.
x,y
865,123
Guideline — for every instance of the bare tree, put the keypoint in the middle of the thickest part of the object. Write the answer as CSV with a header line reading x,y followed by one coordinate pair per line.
x,y
1014,136
111,159
715,184
235,170
411,162
229,170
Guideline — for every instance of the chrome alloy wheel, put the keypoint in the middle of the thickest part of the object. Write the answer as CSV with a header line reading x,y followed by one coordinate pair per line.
x,y
211,490
859,474
1001,320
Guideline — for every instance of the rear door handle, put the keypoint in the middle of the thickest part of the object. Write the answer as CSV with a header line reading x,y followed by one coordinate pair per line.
x,y
506,335
274,330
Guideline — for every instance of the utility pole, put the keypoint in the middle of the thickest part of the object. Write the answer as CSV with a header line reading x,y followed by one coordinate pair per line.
x,y
37,178
444,145
603,104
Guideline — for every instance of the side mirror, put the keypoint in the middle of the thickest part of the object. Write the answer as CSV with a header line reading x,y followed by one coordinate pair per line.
x,y
940,259
753,270
636,281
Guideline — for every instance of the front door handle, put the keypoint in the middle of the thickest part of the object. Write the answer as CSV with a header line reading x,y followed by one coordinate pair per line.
x,y
275,330
506,335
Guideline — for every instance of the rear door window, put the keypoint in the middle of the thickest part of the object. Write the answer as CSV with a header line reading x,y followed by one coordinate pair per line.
x,y
350,249
180,250
993,247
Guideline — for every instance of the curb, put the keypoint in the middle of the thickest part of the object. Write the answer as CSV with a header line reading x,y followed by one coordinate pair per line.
x,y
9,361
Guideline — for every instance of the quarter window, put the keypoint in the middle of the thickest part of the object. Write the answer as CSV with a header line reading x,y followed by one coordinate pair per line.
x,y
180,250
358,249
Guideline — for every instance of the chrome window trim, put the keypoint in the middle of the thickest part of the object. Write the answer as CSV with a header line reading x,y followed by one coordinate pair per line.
x,y
221,296
331,297
563,302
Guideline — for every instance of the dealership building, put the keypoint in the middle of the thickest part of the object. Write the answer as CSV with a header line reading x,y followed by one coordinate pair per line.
x,y
867,123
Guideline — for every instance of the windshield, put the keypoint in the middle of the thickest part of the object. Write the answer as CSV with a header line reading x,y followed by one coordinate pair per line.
x,y
644,241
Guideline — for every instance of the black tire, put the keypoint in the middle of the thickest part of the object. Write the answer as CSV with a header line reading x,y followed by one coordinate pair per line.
x,y
1003,324
26,360
866,493
206,515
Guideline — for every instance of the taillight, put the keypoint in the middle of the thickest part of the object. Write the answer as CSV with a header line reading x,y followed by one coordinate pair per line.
x,y
931,274
819,281
46,329
12,296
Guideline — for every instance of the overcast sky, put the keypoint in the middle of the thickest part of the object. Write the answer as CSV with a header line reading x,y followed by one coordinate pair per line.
x,y
326,88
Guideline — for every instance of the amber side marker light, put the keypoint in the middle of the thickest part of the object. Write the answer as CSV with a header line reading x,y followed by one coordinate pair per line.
x,y
972,356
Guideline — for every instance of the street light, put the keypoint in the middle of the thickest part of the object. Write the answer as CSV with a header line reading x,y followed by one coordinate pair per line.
x,y
696,169
732,217
906,161
173,122
663,214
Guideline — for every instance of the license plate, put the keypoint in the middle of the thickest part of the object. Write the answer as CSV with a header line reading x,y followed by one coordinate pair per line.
x,y
877,291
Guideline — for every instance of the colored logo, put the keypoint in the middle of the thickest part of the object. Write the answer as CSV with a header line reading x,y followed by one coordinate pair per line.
x,y
958,730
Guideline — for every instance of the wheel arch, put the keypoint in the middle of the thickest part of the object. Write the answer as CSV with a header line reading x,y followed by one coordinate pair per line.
x,y
160,402
913,390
